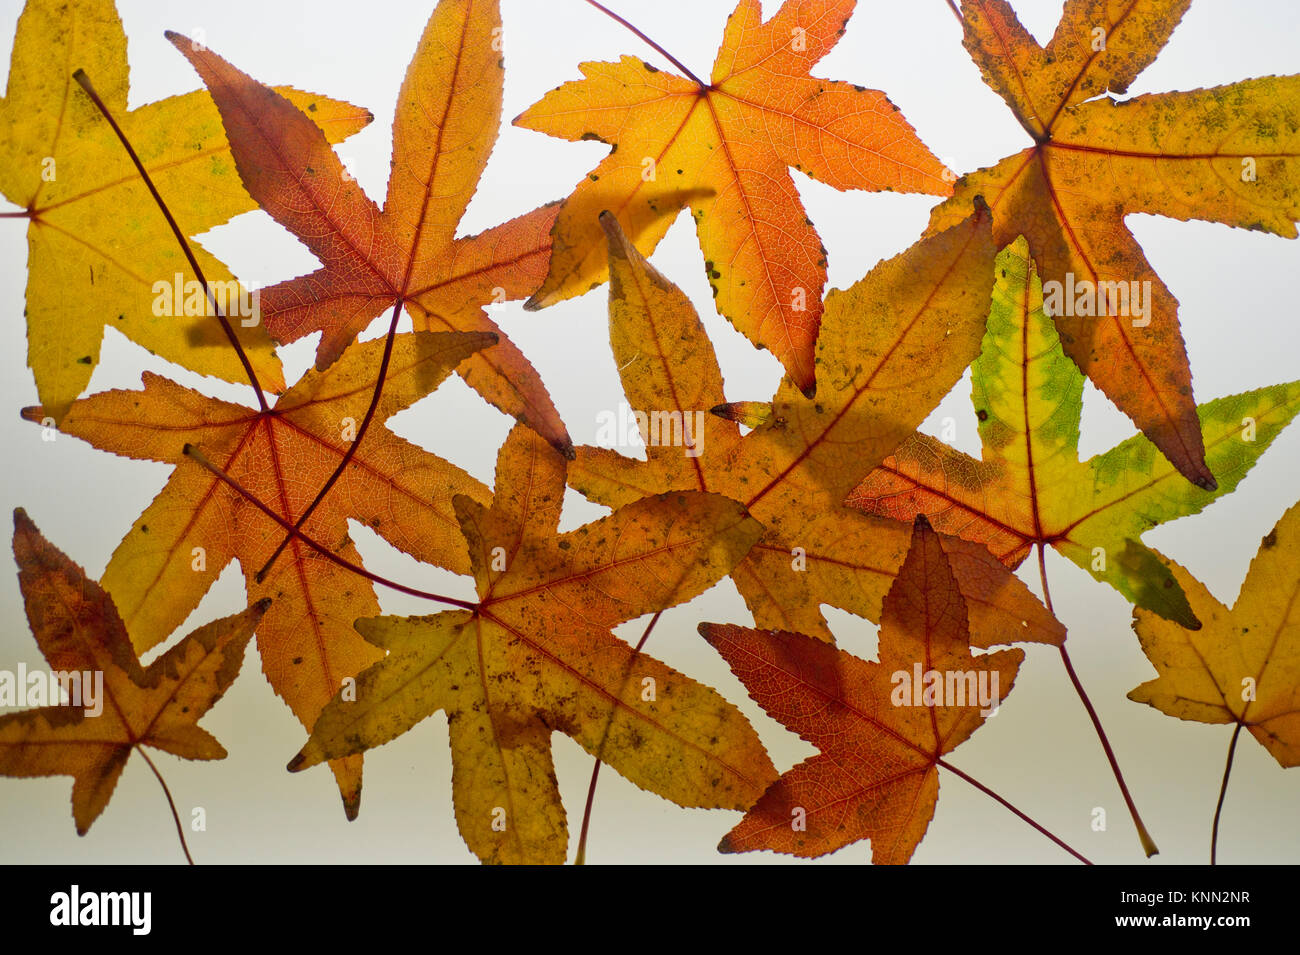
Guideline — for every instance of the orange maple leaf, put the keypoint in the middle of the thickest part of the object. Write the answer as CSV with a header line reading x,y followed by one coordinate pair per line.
x,y
198,523
1226,154
883,728
535,656
804,455
725,147
81,635
407,255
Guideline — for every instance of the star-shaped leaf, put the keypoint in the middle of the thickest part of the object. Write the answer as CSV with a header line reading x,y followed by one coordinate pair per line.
x,y
198,524
1243,665
882,727
536,656
1230,154
97,243
1031,489
879,371
79,632
726,148
448,114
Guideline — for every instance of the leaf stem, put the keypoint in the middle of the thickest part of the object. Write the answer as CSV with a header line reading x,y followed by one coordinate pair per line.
x,y
352,448
180,831
84,82
994,796
192,452
1148,844
659,49
956,11
1223,791
581,857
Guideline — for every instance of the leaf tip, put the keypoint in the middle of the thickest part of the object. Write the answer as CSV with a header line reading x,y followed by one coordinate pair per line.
x,y
297,763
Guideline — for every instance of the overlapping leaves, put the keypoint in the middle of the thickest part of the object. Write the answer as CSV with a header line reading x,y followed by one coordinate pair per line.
x,y
84,640
725,148
406,254
793,470
1030,489
96,242
882,736
199,523
535,656
1229,154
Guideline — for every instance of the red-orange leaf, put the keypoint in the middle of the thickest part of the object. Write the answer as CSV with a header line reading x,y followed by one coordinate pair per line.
x,y
197,524
81,636
447,118
732,141
881,734
1229,154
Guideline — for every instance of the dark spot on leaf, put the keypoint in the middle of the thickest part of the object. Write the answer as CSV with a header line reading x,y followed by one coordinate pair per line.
x,y
982,414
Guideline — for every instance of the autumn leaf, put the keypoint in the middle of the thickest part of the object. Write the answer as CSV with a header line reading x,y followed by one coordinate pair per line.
x,y
1226,154
198,524
882,736
406,254
1031,489
793,470
80,633
535,656
97,244
1243,665
731,140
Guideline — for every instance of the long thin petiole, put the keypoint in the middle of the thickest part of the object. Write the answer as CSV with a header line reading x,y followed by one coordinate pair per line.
x,y
197,455
581,857
1223,791
352,448
84,82
956,11
1148,844
180,830
659,49
994,796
